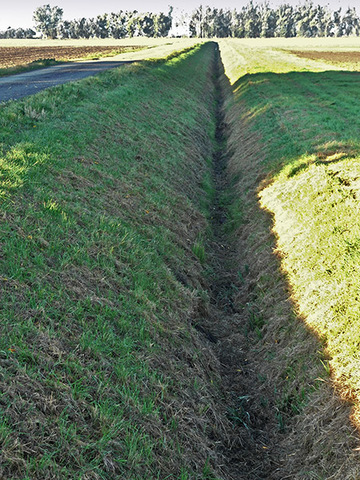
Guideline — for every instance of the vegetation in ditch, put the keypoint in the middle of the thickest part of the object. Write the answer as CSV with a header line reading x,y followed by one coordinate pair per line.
x,y
295,153
101,374
105,188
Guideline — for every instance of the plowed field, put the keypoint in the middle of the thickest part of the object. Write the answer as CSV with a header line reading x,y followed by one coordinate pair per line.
x,y
333,57
15,56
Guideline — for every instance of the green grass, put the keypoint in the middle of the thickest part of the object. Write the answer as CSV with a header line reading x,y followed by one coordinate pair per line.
x,y
199,249
305,117
98,181
105,189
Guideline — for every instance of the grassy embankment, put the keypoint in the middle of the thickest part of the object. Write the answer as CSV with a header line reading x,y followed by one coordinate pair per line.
x,y
102,208
295,152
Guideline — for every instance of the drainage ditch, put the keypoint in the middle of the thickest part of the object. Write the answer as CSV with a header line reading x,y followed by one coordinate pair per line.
x,y
280,425
246,451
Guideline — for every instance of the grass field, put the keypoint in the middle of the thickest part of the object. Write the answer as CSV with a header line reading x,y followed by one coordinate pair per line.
x,y
178,267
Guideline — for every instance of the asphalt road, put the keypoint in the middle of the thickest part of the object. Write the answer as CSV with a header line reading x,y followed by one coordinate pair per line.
x,y
24,84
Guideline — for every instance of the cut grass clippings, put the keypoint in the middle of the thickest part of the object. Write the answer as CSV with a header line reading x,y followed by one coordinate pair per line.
x,y
101,375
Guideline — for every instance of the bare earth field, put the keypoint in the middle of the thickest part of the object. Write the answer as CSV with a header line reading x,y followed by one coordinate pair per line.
x,y
22,55
333,57
16,56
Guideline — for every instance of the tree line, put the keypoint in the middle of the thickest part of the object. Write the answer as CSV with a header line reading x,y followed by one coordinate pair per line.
x,y
49,22
261,20
18,33
251,21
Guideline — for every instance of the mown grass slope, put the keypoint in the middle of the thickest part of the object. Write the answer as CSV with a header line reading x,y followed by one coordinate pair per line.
x,y
101,188
294,151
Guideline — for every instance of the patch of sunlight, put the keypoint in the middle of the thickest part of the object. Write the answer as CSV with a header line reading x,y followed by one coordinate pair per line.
x,y
251,56
315,210
52,206
15,165
55,208
256,112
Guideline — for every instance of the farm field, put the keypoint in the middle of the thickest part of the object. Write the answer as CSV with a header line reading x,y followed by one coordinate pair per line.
x,y
349,60
15,56
21,55
92,42
178,268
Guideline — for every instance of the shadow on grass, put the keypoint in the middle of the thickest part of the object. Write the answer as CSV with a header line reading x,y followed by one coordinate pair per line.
x,y
302,113
295,152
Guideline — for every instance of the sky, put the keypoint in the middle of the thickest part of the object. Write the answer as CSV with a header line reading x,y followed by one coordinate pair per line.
x,y
18,13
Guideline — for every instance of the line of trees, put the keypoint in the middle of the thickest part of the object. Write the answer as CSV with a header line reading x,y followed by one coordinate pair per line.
x,y
116,25
49,22
252,21
261,20
18,33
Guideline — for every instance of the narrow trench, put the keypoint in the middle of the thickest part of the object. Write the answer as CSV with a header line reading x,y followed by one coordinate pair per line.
x,y
261,439
246,450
